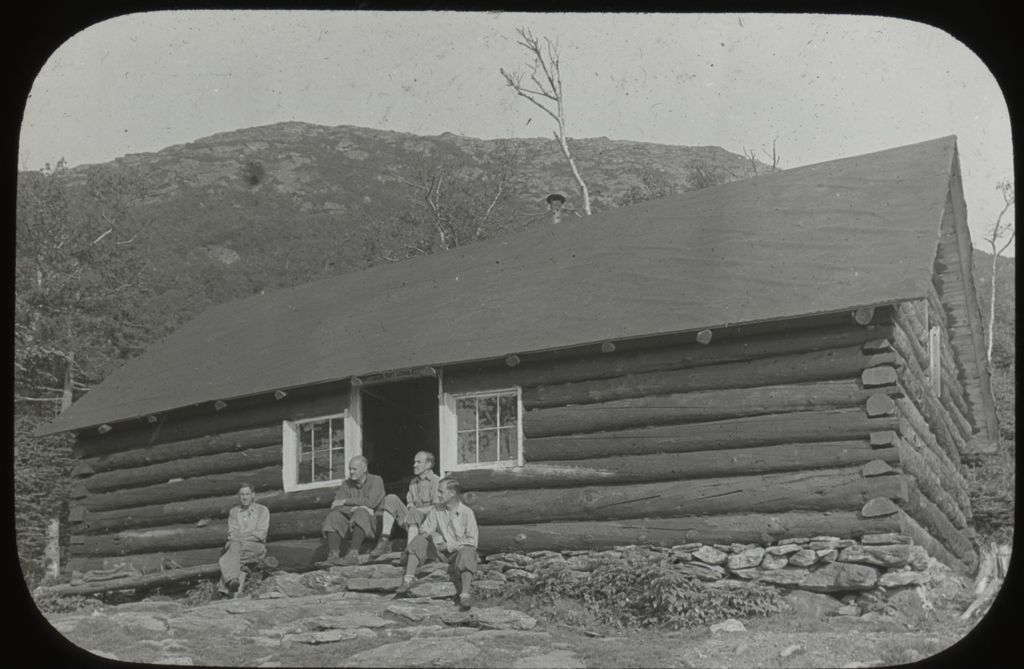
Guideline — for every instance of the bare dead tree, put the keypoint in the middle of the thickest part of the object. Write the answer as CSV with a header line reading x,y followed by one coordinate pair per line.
x,y
999,238
544,89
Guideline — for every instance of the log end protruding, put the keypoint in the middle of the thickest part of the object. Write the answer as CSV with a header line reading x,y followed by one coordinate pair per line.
x,y
864,315
878,507
280,394
103,429
512,360
151,419
883,439
608,347
876,346
876,468
356,381
76,513
220,405
704,337
883,375
880,404
82,468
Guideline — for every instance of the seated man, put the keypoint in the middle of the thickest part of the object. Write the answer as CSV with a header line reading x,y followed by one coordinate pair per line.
x,y
247,538
422,496
351,515
449,534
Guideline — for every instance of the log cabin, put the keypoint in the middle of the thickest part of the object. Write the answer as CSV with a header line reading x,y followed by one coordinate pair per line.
x,y
796,354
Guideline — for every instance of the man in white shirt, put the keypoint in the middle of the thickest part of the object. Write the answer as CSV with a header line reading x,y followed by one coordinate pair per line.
x,y
247,539
449,533
420,499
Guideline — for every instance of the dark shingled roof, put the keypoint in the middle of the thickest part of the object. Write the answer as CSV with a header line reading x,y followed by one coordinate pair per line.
x,y
843,234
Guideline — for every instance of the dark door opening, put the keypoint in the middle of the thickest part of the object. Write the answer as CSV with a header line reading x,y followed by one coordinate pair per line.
x,y
399,419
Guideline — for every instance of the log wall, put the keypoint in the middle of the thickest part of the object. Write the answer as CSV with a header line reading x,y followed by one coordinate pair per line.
x,y
756,436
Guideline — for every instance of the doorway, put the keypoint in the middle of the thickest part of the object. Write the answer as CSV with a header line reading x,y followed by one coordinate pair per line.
x,y
399,419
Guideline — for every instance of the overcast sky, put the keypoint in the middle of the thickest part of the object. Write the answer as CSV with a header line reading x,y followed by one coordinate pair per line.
x,y
823,86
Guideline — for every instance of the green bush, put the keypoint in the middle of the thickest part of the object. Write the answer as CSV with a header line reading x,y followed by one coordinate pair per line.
x,y
636,590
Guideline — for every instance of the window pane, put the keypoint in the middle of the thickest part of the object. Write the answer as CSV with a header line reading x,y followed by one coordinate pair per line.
x,y
488,445
305,465
466,413
467,447
322,466
488,409
508,445
508,409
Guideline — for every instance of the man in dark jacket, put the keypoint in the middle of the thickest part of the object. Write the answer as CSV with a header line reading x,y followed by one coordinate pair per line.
x,y
352,512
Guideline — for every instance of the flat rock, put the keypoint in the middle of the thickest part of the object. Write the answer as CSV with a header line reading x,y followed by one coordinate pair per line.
x,y
559,659
799,541
739,548
432,589
418,610
367,571
517,559
140,620
488,586
710,555
521,636
329,636
811,604
322,581
347,621
747,558
827,543
827,555
190,624
706,572
885,555
771,562
492,618
785,549
728,625
374,584
885,538
840,577
785,576
899,579
804,557
521,574
421,651
686,548
795,649
848,610
166,608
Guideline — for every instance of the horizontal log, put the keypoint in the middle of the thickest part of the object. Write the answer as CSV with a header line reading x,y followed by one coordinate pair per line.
x,y
924,424
287,525
811,426
193,488
695,407
818,490
192,510
932,519
924,445
921,537
930,482
121,479
190,448
295,406
144,582
922,395
723,349
291,555
675,466
826,365
739,528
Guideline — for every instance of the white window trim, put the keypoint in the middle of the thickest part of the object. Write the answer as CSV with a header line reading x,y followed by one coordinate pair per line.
x,y
290,443
449,438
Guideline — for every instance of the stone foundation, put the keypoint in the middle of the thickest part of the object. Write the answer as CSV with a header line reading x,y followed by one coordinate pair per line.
x,y
877,564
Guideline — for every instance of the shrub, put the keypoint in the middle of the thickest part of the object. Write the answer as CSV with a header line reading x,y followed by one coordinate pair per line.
x,y
52,603
991,479
637,590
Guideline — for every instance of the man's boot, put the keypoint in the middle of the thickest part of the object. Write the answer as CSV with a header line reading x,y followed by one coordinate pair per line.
x,y
383,546
351,558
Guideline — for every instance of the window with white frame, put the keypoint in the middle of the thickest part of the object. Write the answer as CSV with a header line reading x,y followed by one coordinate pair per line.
x,y
314,452
484,429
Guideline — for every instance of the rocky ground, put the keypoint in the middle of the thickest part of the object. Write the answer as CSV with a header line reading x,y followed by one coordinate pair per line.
x,y
349,616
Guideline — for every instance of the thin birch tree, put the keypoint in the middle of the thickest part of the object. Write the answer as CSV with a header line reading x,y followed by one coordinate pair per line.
x,y
999,238
543,88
